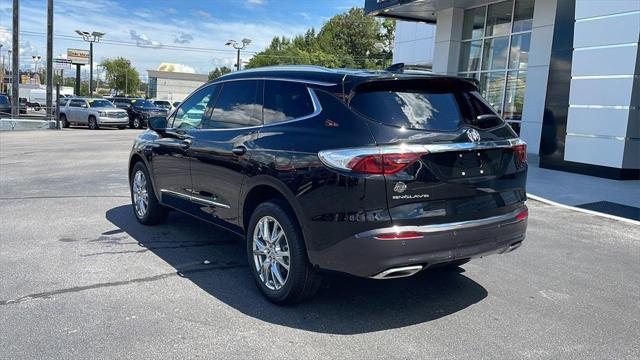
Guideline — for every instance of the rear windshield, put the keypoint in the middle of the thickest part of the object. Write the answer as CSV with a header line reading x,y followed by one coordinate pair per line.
x,y
416,104
410,109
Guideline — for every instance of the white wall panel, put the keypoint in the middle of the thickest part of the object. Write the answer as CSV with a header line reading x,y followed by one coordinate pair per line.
x,y
606,31
605,61
594,150
609,92
593,8
605,122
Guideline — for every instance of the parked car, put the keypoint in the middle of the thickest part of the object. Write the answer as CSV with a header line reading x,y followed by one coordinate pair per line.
x,y
374,174
176,103
138,110
94,113
5,105
165,104
23,105
37,99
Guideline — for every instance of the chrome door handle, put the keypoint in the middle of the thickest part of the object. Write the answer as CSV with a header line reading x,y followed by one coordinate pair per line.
x,y
185,143
239,150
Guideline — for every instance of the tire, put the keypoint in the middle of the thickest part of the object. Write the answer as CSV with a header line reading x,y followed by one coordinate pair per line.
x,y
281,286
137,123
122,127
36,107
153,212
93,123
65,122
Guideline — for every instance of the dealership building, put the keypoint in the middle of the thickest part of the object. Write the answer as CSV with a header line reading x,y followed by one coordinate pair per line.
x,y
172,85
565,74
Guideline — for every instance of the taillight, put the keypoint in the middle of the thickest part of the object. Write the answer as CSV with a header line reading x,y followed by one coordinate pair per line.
x,y
382,163
520,152
372,160
522,215
404,235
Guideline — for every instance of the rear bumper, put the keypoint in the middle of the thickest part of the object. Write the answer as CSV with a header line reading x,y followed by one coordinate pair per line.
x,y
365,255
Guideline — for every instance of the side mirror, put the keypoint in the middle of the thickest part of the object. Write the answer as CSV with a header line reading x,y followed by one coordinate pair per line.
x,y
157,123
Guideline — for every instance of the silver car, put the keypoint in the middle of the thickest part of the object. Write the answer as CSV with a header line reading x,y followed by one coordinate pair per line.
x,y
93,113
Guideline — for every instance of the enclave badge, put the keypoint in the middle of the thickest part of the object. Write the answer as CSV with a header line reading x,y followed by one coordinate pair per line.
x,y
473,135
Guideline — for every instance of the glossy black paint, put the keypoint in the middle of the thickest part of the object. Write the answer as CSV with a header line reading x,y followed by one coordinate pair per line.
x,y
200,172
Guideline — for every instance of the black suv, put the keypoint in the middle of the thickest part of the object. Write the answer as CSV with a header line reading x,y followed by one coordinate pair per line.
x,y
138,110
373,173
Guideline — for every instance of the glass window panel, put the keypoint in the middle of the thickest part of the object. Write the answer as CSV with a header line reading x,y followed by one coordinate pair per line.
x,y
519,54
523,15
499,18
492,88
470,55
285,101
473,25
515,125
238,105
514,99
495,53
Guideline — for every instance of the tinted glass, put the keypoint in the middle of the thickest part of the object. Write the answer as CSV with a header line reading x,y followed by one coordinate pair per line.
x,y
237,106
473,25
492,88
494,56
514,97
410,109
100,103
285,101
499,18
144,104
4,100
77,103
192,112
474,106
519,54
470,55
523,16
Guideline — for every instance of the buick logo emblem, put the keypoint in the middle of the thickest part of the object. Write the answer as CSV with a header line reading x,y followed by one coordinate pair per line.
x,y
400,187
473,135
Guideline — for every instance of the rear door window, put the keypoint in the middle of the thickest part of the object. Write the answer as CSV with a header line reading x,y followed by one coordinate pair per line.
x,y
238,105
410,108
284,100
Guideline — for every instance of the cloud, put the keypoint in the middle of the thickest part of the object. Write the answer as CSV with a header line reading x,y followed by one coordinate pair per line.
x,y
305,15
183,38
171,10
256,2
176,68
143,40
203,14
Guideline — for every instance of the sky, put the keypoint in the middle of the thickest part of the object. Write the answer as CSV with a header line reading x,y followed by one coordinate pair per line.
x,y
189,33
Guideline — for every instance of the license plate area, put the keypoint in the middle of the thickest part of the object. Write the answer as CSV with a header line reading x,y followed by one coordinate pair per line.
x,y
465,164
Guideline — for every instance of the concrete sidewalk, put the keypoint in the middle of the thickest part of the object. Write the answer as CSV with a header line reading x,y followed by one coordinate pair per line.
x,y
614,197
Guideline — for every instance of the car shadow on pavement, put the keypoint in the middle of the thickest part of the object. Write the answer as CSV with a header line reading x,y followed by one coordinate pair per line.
x,y
214,260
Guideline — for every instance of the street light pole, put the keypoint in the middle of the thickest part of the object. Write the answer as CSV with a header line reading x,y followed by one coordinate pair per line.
x,y
49,91
245,42
90,38
15,66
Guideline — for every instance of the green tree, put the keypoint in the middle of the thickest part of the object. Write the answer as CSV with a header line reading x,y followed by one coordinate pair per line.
x,y
121,76
217,72
351,39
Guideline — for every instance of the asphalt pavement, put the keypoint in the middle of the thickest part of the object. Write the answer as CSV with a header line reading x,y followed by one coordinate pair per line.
x,y
81,279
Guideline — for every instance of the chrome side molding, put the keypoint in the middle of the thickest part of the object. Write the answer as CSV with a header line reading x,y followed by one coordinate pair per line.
x,y
194,199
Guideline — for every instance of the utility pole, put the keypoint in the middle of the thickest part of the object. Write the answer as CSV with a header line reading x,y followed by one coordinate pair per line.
x,y
49,109
77,90
15,67
245,42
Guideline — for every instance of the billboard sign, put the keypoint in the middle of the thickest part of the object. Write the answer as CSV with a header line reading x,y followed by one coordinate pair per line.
x,y
78,56
61,64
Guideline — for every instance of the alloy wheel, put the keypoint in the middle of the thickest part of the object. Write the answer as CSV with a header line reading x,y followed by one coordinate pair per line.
x,y
271,253
140,194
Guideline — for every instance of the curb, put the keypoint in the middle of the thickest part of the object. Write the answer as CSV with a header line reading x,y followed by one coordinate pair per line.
x,y
590,212
7,124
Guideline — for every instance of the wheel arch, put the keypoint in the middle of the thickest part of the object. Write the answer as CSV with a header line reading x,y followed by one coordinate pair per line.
x,y
263,188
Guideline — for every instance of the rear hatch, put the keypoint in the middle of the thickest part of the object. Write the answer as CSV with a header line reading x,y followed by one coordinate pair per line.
x,y
447,155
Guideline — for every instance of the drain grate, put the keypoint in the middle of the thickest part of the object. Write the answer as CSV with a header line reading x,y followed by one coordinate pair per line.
x,y
611,208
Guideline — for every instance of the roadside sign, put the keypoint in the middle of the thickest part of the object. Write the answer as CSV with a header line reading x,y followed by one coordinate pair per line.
x,y
78,56
62,64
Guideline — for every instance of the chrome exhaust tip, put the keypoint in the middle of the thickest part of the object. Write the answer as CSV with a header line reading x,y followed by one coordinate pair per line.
x,y
399,272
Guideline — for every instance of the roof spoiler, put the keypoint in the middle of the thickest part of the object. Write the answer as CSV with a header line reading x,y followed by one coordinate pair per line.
x,y
401,67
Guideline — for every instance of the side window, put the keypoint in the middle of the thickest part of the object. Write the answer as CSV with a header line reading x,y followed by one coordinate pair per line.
x,y
239,105
285,101
76,103
193,111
